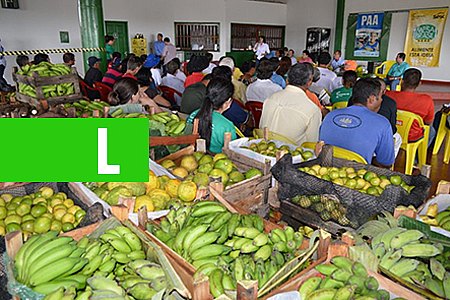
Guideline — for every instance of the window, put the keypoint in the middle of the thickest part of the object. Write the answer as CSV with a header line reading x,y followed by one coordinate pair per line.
x,y
197,36
245,35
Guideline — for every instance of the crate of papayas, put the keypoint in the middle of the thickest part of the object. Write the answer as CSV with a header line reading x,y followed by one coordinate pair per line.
x,y
160,192
55,83
243,179
355,191
36,208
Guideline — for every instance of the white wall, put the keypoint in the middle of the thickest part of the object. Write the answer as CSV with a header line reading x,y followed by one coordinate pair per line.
x,y
399,26
36,25
303,14
151,17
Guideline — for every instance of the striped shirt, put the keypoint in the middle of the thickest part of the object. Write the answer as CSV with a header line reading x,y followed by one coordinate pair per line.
x,y
111,76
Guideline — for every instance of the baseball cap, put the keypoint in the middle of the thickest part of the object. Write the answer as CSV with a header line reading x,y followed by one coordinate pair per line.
x,y
227,61
151,61
93,60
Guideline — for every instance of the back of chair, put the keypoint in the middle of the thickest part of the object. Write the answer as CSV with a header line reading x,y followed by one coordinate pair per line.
x,y
85,88
169,93
104,90
348,155
259,133
382,70
339,152
405,120
255,108
341,104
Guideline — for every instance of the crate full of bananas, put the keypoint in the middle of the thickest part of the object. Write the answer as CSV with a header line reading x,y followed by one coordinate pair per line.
x,y
410,257
229,247
47,81
342,278
113,262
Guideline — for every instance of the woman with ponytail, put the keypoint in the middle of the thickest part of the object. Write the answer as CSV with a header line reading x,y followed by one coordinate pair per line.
x,y
212,124
127,96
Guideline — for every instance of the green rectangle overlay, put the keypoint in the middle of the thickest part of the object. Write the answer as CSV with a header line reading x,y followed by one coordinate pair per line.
x,y
50,150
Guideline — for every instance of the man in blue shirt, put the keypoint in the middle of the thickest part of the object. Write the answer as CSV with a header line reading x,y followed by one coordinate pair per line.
x,y
359,128
337,63
396,72
158,45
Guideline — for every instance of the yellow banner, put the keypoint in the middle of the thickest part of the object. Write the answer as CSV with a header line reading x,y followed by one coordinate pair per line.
x,y
424,36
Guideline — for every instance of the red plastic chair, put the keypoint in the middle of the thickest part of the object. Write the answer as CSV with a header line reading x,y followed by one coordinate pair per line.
x,y
255,108
169,93
103,89
85,88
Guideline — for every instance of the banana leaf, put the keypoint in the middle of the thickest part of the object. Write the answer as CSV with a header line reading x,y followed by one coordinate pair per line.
x,y
410,223
292,266
414,287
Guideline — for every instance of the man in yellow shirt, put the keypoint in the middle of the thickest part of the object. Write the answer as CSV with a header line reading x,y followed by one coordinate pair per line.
x,y
290,112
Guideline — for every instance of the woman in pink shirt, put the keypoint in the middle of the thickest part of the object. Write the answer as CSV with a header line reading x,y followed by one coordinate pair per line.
x,y
306,57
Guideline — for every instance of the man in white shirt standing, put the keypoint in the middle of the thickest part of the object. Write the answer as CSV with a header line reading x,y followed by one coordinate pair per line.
x,y
263,87
261,48
326,75
290,112
172,81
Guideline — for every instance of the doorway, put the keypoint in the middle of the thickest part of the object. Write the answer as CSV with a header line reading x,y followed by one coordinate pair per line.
x,y
119,30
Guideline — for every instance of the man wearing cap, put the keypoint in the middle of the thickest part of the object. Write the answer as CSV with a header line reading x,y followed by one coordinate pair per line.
x,y
93,74
239,87
152,62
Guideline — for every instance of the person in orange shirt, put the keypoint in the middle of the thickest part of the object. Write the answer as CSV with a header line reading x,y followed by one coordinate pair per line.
x,y
421,104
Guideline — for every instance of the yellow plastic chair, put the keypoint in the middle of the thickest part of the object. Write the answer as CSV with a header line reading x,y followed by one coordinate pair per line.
x,y
239,133
259,134
339,153
382,72
405,120
441,134
338,105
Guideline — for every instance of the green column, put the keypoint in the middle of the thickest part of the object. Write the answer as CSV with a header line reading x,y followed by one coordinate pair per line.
x,y
92,28
339,24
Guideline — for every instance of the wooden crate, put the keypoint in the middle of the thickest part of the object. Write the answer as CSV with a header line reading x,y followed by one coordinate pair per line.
x,y
38,82
251,193
14,242
296,216
199,286
189,139
341,248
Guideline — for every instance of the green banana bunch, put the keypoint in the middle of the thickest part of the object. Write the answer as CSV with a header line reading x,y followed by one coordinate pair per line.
x,y
47,262
85,107
408,254
343,279
226,246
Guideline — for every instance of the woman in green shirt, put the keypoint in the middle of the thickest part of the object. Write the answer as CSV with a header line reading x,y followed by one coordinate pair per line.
x,y
212,124
127,96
